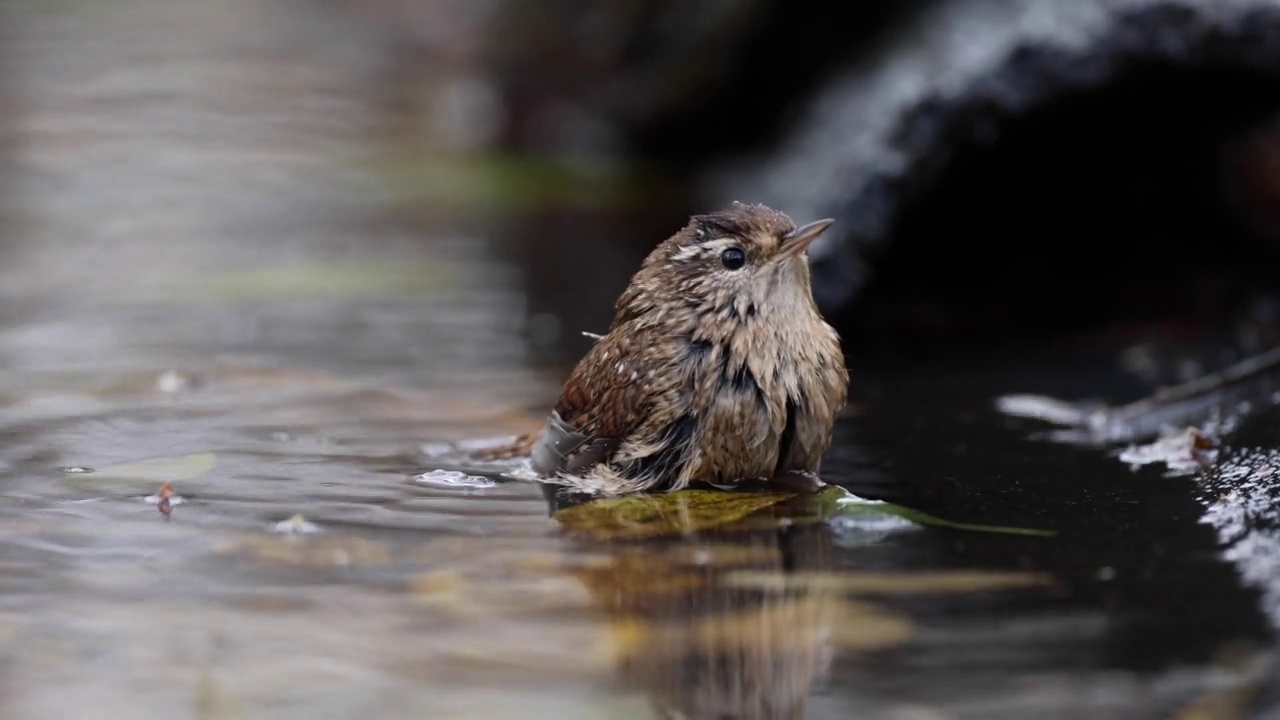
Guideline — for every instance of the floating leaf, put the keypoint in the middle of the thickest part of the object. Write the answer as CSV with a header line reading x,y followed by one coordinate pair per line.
x,y
678,513
924,518
851,504
690,511
157,470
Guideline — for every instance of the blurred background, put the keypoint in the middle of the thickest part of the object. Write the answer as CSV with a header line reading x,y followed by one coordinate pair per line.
x,y
998,169
305,237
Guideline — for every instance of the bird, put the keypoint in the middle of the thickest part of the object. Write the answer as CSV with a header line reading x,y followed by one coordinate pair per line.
x,y
718,367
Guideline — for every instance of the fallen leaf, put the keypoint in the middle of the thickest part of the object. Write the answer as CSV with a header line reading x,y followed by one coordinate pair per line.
x,y
858,506
321,551
165,469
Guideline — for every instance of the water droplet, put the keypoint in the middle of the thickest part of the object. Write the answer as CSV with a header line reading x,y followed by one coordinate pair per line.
x,y
454,479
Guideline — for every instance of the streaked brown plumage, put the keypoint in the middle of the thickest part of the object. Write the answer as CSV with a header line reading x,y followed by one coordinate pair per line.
x,y
717,368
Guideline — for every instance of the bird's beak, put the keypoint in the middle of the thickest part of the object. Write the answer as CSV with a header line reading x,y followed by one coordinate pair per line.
x,y
797,241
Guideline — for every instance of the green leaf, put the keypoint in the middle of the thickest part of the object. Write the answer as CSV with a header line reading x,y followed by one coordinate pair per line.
x,y
851,504
157,470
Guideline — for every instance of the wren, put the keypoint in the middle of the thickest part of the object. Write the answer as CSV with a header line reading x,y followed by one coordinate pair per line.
x,y
717,368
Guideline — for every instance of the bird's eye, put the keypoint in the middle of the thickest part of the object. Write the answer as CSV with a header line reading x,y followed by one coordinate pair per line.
x,y
733,258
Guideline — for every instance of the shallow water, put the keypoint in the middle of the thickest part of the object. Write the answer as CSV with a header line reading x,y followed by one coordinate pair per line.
x,y
403,596
212,289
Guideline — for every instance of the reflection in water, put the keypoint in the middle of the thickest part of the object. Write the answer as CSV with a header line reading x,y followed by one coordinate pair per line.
x,y
700,646
734,656
705,651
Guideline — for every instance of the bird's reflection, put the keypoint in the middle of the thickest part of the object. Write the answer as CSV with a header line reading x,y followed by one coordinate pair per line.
x,y
693,637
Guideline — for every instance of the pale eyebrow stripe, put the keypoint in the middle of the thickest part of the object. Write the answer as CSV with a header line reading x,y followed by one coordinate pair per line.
x,y
705,248
687,252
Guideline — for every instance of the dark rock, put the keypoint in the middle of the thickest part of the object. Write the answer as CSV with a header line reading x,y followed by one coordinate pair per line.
x,y
996,145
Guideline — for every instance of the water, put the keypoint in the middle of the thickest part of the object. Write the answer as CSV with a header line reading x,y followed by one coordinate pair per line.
x,y
215,290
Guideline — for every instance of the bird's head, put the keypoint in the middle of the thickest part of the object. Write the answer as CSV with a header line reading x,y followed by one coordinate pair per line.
x,y
727,266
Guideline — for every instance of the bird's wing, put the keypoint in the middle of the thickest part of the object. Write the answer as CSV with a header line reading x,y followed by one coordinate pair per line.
x,y
563,449
605,401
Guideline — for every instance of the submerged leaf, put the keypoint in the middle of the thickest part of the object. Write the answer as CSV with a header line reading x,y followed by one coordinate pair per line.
x,y
313,551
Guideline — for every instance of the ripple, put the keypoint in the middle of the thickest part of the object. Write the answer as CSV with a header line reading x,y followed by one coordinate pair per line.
x,y
454,479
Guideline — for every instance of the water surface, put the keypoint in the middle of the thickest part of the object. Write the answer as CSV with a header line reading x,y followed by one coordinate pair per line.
x,y
208,283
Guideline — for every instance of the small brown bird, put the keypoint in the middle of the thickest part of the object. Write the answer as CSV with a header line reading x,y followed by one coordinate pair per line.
x,y
718,367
